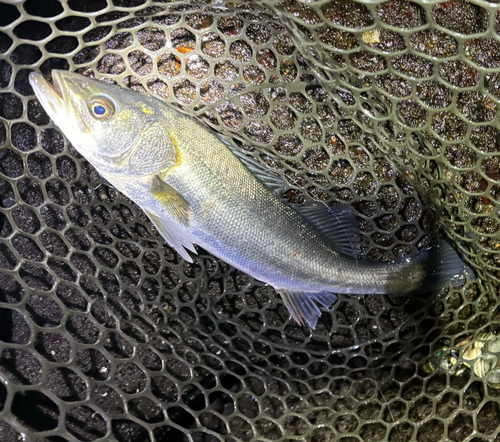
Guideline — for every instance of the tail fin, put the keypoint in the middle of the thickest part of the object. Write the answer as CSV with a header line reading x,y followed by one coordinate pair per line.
x,y
424,273
442,264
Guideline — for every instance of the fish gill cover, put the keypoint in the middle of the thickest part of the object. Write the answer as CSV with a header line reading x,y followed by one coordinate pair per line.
x,y
391,107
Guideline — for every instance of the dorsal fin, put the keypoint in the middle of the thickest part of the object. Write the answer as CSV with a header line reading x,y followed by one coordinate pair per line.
x,y
337,226
269,179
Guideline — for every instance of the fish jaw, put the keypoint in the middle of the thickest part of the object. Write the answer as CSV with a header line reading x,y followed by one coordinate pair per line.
x,y
58,99
50,96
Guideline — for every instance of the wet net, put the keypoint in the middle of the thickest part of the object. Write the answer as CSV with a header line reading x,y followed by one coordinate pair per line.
x,y
390,107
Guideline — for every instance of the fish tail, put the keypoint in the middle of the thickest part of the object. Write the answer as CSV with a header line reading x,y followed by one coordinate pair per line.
x,y
446,264
430,270
426,272
302,307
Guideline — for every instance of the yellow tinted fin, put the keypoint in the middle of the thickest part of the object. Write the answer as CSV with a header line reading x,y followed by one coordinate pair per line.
x,y
175,204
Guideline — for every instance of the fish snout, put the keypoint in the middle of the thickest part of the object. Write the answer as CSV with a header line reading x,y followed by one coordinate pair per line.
x,y
49,96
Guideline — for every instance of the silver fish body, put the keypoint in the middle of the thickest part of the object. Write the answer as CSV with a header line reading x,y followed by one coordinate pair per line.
x,y
196,191
237,219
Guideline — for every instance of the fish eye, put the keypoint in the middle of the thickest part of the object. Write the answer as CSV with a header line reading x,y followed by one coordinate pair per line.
x,y
102,108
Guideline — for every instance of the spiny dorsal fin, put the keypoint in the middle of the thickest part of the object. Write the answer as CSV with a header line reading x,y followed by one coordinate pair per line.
x,y
269,179
336,225
302,307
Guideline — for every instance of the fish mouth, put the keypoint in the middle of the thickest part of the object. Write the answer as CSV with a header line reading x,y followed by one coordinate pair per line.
x,y
55,98
51,97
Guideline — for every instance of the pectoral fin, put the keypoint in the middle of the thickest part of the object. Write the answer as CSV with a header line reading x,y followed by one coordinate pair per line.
x,y
178,209
174,203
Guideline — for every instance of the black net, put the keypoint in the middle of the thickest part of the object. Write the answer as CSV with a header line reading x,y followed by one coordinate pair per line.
x,y
391,107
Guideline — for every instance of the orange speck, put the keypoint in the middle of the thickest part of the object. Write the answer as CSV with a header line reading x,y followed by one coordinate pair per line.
x,y
230,30
447,5
184,49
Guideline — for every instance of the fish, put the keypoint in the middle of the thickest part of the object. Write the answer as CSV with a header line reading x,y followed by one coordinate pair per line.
x,y
199,189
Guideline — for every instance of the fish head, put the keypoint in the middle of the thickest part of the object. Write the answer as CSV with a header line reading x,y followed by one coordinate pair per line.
x,y
104,122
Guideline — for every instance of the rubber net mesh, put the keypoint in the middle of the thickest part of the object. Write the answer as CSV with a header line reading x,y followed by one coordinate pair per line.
x,y
391,107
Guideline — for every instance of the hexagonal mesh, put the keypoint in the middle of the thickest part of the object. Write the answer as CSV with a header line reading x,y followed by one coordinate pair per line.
x,y
391,107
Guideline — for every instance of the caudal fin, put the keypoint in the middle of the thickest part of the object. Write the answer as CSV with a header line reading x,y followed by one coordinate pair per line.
x,y
424,273
443,264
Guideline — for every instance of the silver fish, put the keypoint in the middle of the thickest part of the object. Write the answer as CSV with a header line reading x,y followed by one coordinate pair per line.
x,y
197,189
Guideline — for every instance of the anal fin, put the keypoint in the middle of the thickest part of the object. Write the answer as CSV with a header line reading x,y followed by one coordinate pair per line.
x,y
174,236
302,307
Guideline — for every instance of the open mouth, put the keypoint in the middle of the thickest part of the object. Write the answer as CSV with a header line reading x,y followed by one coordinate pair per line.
x,y
54,100
50,96
56,86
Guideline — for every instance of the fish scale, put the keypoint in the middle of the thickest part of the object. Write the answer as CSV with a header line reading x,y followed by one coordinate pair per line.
x,y
198,192
291,381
